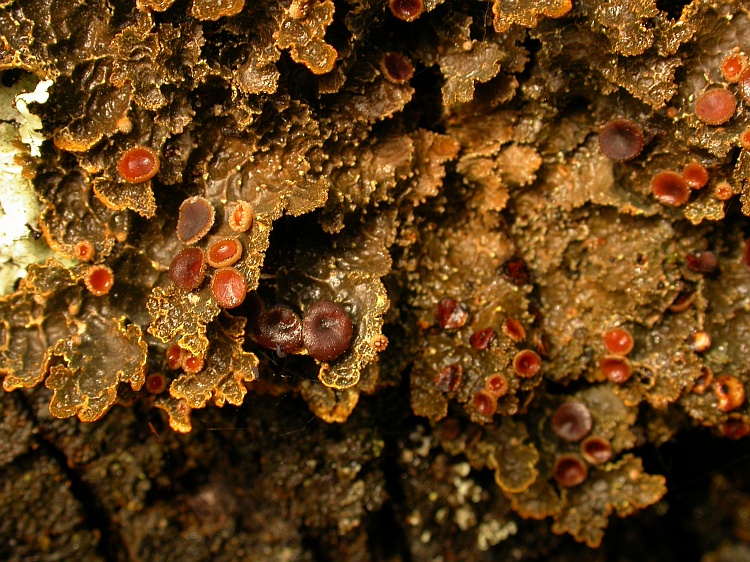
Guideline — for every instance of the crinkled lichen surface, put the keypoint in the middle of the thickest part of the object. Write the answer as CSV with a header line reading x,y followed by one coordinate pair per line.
x,y
455,199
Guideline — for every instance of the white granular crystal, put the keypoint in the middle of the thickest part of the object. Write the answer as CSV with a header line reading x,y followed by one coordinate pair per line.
x,y
492,532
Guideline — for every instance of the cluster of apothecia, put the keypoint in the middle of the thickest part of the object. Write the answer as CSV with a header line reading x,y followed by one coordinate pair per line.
x,y
623,139
188,267
729,390
325,331
178,358
453,315
704,262
572,422
615,365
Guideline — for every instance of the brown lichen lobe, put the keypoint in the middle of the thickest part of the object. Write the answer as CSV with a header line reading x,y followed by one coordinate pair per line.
x,y
88,390
119,197
302,30
81,386
527,13
177,313
26,353
620,488
215,9
227,368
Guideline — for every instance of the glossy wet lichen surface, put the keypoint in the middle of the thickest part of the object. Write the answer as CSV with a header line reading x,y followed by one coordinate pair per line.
x,y
354,280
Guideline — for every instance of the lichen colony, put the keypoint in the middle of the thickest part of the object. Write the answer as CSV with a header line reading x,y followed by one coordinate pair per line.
x,y
330,273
